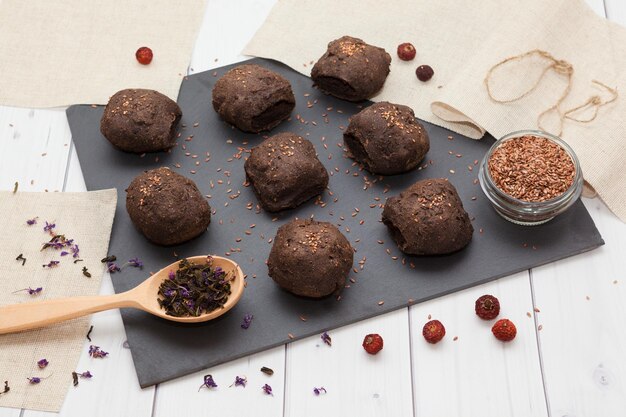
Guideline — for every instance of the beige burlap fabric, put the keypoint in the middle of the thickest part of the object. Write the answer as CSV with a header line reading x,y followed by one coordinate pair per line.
x,y
64,52
85,217
462,40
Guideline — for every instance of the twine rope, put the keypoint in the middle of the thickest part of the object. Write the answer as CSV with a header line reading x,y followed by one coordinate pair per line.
x,y
564,69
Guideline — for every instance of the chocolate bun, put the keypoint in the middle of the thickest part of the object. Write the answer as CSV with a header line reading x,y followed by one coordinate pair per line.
x,y
386,138
351,69
284,172
138,121
310,258
253,98
428,219
167,207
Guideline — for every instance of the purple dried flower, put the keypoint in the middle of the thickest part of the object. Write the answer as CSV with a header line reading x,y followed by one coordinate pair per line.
x,y
30,290
34,380
208,382
240,381
171,275
247,320
76,375
42,363
326,339
318,391
112,267
74,250
267,389
64,253
51,264
49,226
96,352
135,262
30,222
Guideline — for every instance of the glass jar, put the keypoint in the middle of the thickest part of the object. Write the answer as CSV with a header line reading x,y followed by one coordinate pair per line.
x,y
529,213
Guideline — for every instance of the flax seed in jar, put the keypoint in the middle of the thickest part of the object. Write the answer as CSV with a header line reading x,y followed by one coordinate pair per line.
x,y
530,177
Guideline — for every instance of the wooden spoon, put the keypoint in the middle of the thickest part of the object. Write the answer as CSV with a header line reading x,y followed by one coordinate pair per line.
x,y
26,316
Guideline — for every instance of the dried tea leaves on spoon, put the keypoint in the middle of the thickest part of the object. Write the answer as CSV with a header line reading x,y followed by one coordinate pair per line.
x,y
195,289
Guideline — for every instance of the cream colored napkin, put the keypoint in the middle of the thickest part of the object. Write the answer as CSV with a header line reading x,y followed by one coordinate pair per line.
x,y
461,40
64,52
85,217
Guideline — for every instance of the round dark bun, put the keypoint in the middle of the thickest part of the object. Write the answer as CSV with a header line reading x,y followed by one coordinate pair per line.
x,y
284,172
253,98
428,219
310,258
351,69
139,121
167,207
386,138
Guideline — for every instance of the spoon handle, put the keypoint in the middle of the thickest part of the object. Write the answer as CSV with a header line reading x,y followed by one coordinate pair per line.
x,y
26,316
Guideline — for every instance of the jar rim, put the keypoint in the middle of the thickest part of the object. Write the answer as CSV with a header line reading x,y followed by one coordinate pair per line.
x,y
555,201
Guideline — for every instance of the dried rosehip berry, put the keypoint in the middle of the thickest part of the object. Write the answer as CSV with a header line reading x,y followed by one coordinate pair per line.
x,y
424,72
373,343
406,51
433,331
487,307
144,55
504,330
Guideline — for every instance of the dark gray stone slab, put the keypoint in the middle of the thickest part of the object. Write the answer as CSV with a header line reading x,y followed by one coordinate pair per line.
x,y
164,350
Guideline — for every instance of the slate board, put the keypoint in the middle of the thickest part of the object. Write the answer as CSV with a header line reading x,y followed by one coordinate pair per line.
x,y
164,350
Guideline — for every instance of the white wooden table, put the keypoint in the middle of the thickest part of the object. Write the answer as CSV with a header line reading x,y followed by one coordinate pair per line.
x,y
567,360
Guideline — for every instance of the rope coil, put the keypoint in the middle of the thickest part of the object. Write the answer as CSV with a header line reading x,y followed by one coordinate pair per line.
x,y
560,67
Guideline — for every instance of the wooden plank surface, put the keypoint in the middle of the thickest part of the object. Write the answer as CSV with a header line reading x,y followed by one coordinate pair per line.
x,y
477,375
582,317
34,146
182,397
581,303
383,380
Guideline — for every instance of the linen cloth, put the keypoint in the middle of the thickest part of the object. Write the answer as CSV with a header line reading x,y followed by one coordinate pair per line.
x,y
462,40
85,217
64,52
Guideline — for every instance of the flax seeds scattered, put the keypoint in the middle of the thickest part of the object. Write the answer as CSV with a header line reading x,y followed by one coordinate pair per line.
x,y
531,168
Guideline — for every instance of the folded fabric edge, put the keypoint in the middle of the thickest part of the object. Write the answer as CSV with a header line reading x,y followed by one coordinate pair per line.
x,y
461,123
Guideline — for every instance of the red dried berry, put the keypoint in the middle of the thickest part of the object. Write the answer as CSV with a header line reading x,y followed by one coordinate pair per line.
x,y
144,55
424,72
406,51
373,343
433,331
504,330
487,307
